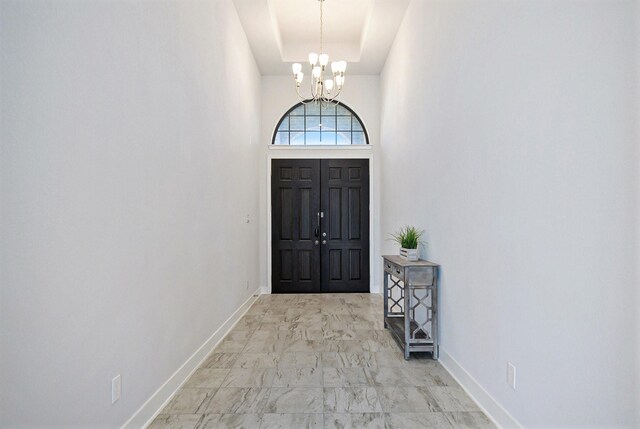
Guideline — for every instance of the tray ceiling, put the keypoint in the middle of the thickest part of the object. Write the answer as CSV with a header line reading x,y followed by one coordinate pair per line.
x,y
281,32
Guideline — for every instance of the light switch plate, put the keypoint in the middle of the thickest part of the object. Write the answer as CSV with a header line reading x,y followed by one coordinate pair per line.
x,y
511,375
116,388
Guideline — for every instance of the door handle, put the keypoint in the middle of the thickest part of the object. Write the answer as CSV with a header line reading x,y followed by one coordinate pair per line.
x,y
324,241
316,242
317,230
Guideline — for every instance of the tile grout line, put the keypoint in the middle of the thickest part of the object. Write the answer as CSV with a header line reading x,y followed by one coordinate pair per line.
x,y
322,367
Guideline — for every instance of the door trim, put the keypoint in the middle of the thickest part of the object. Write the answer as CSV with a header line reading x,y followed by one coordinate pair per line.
x,y
342,154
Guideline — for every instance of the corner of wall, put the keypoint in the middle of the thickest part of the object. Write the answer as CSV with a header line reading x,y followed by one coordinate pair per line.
x,y
481,397
637,207
152,407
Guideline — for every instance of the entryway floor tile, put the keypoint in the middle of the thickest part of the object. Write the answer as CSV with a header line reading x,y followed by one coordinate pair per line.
x,y
318,361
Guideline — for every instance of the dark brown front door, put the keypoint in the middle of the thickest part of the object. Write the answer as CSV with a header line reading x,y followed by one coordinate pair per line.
x,y
320,225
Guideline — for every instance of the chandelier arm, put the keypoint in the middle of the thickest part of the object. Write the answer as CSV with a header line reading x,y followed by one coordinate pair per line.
x,y
305,101
302,99
298,92
314,87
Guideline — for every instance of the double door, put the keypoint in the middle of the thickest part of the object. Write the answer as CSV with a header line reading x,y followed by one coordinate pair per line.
x,y
320,225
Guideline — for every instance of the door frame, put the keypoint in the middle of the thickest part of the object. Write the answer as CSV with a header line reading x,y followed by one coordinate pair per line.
x,y
364,152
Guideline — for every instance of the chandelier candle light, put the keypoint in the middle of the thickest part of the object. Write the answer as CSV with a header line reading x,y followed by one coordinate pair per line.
x,y
323,88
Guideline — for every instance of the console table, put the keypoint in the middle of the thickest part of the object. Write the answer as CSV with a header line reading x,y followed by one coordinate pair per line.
x,y
411,304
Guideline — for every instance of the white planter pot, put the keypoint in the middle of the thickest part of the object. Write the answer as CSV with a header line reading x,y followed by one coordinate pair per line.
x,y
409,254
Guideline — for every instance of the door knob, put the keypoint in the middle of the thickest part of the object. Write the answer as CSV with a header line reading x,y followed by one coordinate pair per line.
x,y
324,241
316,242
324,234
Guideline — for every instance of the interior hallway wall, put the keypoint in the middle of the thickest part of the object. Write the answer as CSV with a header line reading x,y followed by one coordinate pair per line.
x,y
129,162
637,73
362,94
508,132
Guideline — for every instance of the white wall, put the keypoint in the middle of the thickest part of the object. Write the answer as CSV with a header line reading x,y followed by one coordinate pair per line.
x,y
637,73
362,94
130,135
508,133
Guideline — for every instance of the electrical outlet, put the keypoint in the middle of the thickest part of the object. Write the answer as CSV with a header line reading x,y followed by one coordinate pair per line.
x,y
511,375
116,388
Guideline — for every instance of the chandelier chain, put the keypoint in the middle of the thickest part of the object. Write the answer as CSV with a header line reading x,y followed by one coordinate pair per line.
x,y
321,1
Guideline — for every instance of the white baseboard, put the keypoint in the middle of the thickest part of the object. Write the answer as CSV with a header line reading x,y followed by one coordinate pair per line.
x,y
485,401
150,409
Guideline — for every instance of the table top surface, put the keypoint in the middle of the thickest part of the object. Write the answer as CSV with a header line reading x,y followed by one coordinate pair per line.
x,y
396,259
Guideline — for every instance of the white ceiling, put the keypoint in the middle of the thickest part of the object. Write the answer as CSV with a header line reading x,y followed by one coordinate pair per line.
x,y
281,32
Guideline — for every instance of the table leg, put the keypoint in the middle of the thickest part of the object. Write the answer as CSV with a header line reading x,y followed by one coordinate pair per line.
x,y
407,320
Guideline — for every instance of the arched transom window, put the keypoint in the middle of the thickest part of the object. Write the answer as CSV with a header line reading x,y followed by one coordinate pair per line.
x,y
324,124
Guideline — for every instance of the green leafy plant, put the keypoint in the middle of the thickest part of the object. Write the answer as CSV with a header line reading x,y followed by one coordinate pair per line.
x,y
408,237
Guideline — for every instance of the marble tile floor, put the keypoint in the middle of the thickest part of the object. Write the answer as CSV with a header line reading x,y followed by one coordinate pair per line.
x,y
317,361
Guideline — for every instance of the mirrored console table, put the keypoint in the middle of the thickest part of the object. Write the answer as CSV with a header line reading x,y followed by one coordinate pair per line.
x,y
411,304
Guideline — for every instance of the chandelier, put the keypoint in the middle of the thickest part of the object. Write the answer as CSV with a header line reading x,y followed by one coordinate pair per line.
x,y
325,87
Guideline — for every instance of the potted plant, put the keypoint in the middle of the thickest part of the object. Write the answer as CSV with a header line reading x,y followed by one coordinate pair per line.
x,y
408,238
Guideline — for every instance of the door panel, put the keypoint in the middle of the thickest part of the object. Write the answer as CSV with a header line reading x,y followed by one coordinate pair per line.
x,y
345,202
300,190
295,200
